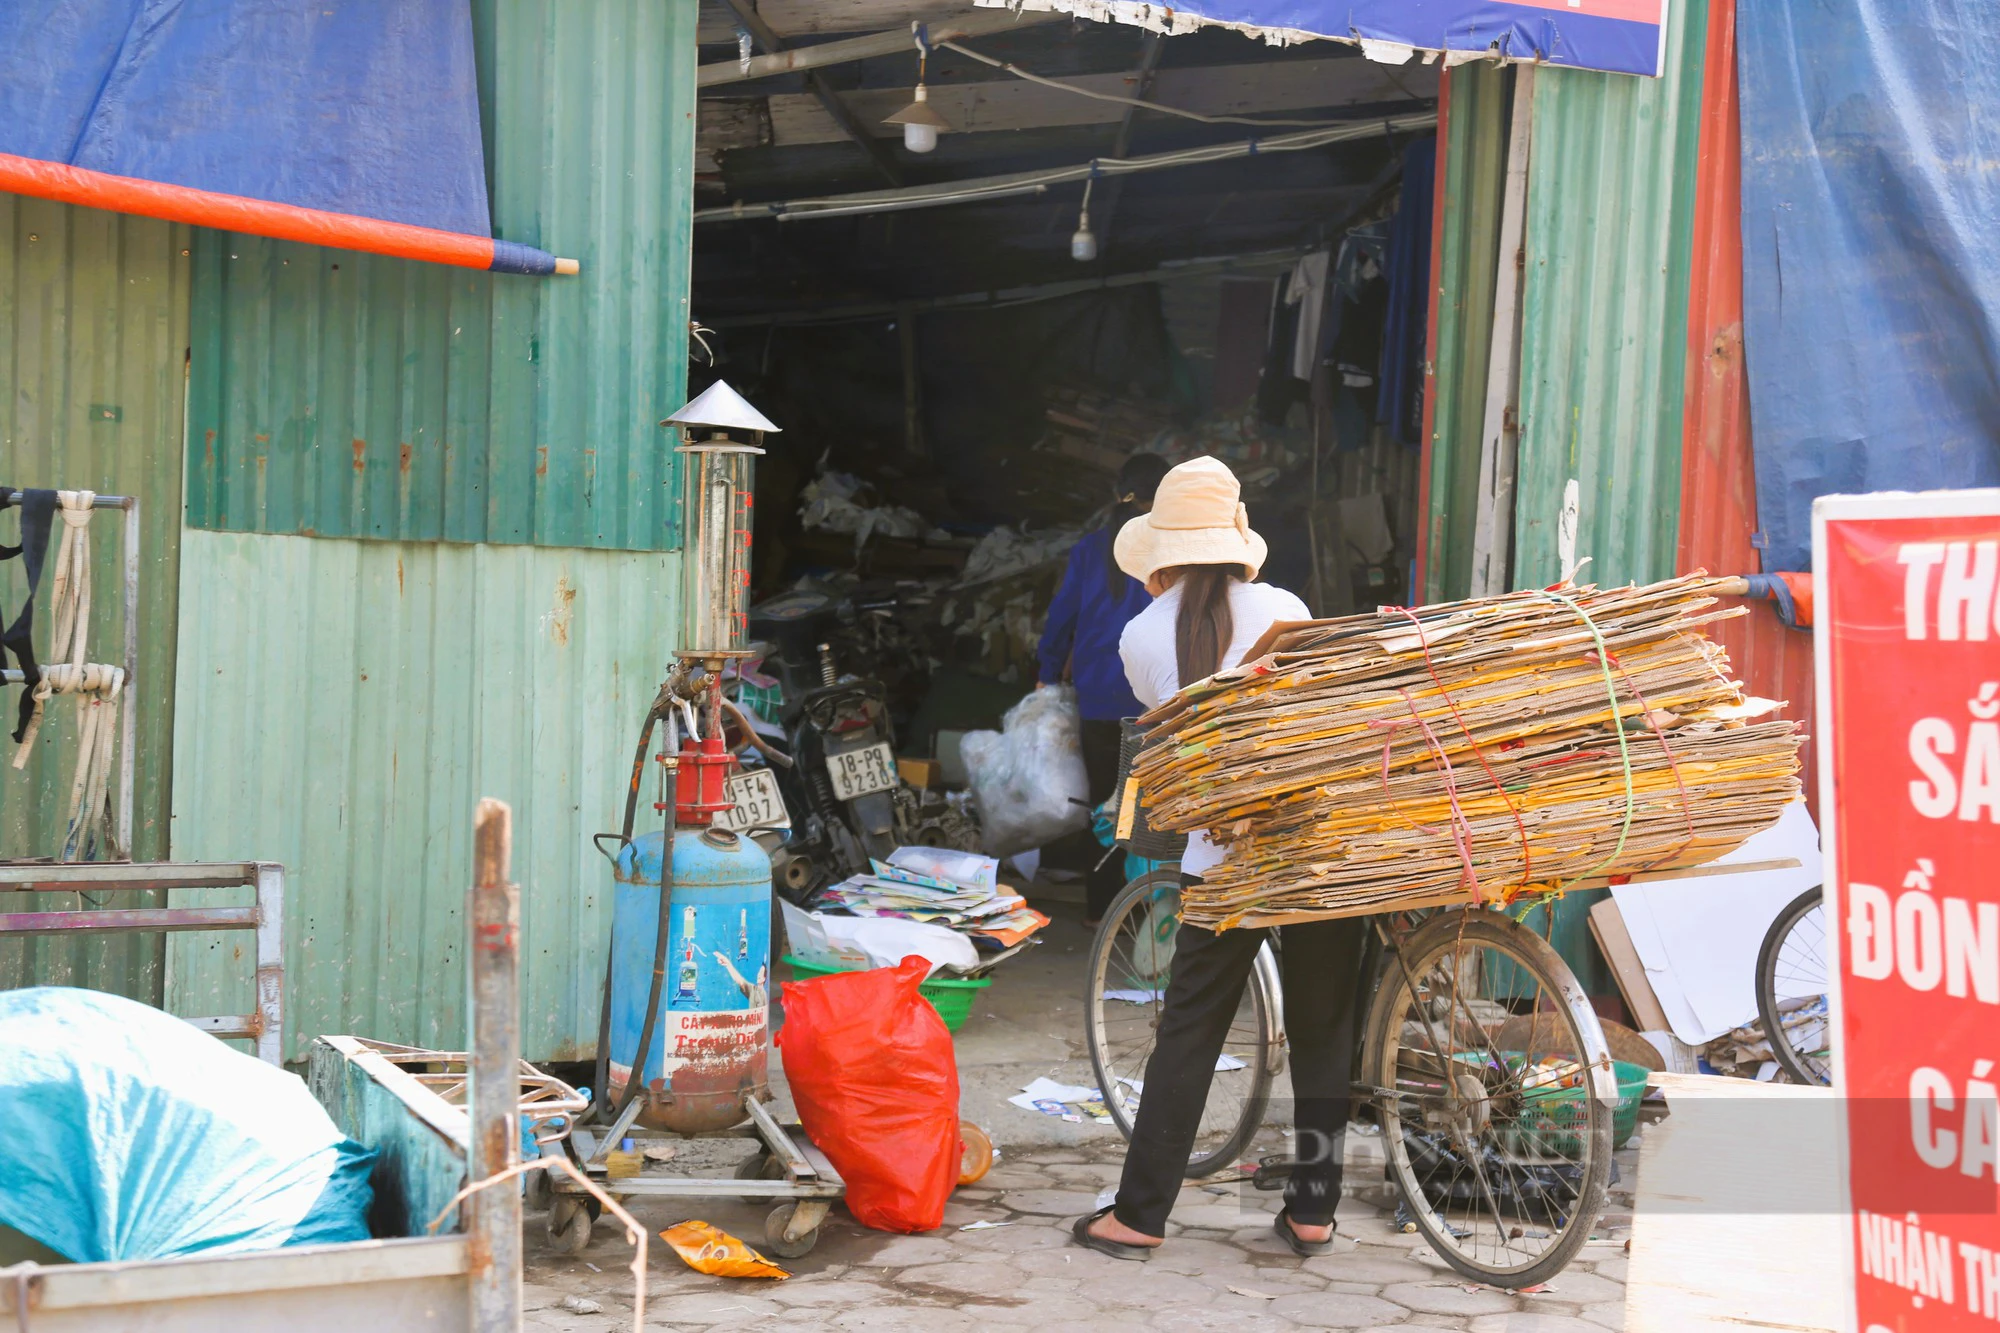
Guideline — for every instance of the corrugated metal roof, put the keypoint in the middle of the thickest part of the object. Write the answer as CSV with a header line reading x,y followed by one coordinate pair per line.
x,y
354,700
93,325
1475,149
1604,318
341,394
1718,514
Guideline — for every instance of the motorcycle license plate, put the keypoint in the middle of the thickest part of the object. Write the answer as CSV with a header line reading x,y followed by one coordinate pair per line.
x,y
759,804
859,772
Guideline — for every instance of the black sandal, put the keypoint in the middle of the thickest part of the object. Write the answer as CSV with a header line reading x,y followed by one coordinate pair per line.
x,y
1302,1247
1114,1248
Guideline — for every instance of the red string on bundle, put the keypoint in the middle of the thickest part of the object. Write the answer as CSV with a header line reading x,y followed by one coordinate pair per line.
x,y
1527,853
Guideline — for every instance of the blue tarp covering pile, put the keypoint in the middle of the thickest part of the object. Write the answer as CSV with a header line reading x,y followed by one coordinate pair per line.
x,y
125,1133
369,107
1871,254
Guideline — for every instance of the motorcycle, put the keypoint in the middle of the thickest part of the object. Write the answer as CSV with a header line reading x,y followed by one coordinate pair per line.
x,y
840,790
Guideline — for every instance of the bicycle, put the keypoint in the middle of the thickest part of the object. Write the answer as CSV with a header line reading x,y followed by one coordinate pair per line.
x,y
1792,992
1496,1119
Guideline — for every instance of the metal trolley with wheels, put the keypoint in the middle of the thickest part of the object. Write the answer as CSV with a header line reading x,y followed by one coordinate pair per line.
x,y
786,1170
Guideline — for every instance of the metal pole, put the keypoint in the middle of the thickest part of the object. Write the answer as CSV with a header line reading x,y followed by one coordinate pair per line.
x,y
493,1216
129,716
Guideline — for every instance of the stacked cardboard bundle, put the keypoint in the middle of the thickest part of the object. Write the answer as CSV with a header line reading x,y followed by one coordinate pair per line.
x,y
1471,751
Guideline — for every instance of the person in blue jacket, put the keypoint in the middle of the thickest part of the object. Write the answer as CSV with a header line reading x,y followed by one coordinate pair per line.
x,y
1080,645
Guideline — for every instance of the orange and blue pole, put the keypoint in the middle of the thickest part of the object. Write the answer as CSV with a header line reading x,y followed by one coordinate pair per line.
x,y
259,217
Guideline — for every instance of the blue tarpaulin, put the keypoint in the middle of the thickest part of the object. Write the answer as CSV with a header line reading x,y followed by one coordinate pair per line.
x,y
1871,254
1622,36
367,107
125,1133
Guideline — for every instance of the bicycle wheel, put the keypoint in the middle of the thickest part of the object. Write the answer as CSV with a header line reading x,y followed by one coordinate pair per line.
x,y
1791,989
1501,1156
1124,995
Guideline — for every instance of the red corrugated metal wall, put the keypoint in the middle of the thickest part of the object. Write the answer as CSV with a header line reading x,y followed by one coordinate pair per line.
x,y
1718,476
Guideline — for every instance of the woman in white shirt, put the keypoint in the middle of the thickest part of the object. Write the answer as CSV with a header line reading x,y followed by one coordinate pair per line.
x,y
1196,554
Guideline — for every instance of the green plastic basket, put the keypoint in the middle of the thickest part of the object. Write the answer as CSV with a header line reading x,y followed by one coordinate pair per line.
x,y
951,998
1551,1118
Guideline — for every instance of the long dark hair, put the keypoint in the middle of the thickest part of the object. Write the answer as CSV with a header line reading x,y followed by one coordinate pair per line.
x,y
1203,626
1138,481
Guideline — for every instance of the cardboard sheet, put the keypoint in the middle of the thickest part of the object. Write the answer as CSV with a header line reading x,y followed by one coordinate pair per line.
x,y
1698,938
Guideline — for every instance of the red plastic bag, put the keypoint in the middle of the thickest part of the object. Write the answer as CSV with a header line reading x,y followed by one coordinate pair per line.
x,y
873,1073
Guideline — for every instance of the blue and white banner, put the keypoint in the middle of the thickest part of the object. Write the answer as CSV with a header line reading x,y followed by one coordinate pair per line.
x,y
1621,36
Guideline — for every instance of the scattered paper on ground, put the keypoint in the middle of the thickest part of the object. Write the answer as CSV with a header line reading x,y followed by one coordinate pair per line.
x,y
708,1249
1135,996
579,1305
983,1225
1050,1097
1253,1293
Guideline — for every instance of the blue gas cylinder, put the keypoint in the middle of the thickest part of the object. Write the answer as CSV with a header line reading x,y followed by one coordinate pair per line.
x,y
710,1045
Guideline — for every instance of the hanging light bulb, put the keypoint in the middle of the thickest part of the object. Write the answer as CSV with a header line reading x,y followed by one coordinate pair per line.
x,y
1083,245
920,123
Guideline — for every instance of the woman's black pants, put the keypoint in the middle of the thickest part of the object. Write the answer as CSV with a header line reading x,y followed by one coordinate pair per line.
x,y
1321,964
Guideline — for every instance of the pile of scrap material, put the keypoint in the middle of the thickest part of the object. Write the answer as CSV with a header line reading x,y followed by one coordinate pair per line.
x,y
1467,752
951,890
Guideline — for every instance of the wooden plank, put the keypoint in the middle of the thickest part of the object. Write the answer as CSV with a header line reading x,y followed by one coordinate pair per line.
x,y
820,91
726,123
1015,104
1607,927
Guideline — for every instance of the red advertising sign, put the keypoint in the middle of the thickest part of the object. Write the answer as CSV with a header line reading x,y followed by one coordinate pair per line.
x,y
1908,611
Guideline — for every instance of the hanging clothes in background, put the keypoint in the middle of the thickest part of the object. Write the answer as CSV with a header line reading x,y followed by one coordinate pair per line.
x,y
1306,289
1400,402
1278,388
1356,306
37,517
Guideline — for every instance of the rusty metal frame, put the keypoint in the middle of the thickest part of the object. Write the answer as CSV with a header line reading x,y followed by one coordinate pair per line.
x,y
265,1026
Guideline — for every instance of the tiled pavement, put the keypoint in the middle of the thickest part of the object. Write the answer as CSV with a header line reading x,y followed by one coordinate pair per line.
x,y
1220,1269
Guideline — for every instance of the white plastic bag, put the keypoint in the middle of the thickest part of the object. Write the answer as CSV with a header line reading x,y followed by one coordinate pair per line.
x,y
856,943
1027,779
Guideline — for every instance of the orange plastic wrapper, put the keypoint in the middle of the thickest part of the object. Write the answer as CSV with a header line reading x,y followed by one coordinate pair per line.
x,y
708,1249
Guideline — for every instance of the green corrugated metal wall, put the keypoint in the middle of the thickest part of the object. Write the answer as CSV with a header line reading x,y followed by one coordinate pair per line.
x,y
1604,313
93,335
1610,225
355,700
1475,172
348,395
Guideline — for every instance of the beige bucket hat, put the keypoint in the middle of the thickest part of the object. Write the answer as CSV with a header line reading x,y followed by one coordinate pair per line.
x,y
1197,519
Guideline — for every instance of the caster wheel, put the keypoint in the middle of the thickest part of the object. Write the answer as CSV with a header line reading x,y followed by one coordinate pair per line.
x,y
977,1152
774,1234
758,1166
569,1224
540,1191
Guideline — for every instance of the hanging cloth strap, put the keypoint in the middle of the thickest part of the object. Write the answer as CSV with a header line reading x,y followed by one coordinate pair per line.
x,y
70,605
37,514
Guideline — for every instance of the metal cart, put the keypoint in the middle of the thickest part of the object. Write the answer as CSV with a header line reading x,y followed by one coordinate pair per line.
x,y
787,1168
